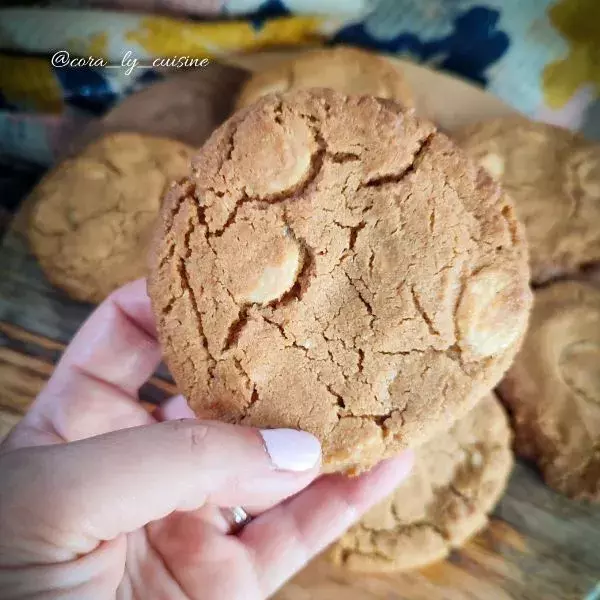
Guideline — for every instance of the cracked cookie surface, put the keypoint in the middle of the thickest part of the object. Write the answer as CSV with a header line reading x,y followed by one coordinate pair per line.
x,y
344,69
94,214
553,176
336,265
552,390
457,479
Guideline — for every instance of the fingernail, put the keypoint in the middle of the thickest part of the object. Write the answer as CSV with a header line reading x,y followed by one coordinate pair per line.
x,y
175,408
290,449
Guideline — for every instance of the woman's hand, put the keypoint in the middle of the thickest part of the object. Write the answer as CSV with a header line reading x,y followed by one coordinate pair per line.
x,y
100,499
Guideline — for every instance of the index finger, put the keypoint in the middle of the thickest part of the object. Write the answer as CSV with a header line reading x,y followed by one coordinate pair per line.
x,y
94,387
116,340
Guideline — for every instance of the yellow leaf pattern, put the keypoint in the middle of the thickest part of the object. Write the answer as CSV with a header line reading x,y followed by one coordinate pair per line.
x,y
578,21
165,37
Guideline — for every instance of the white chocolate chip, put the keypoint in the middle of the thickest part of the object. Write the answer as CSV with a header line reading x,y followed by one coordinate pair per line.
x,y
382,390
493,164
489,315
275,280
291,172
476,459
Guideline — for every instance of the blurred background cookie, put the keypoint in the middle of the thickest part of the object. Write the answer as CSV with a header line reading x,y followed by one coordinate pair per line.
x,y
346,70
553,177
357,276
457,479
93,215
552,389
183,106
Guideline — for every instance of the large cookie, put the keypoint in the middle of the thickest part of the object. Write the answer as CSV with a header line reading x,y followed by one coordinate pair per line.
x,y
553,177
457,479
335,264
93,215
553,389
346,70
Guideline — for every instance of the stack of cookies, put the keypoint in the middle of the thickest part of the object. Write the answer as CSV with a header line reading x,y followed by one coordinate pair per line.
x,y
329,261
552,390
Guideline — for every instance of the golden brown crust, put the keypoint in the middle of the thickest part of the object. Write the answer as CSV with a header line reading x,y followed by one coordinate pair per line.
x,y
457,479
553,177
328,266
344,69
93,215
553,389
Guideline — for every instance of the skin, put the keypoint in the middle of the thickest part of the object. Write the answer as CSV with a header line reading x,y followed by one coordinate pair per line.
x,y
101,499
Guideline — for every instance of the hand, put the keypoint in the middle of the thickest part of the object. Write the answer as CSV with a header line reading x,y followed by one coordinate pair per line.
x,y
101,499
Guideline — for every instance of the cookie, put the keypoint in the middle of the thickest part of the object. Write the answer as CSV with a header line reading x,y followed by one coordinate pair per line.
x,y
334,264
346,70
93,215
552,390
456,481
553,177
186,106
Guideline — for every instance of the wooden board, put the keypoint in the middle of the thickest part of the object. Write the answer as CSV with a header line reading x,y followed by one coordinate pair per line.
x,y
539,545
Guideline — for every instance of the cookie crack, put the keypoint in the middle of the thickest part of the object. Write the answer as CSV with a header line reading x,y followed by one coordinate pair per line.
x,y
463,277
74,225
235,329
254,396
228,153
338,397
254,399
373,534
342,157
463,497
452,353
404,352
316,164
361,359
297,191
417,302
307,272
291,342
354,231
432,221
165,310
374,551
187,286
398,177
507,213
113,167
278,113
279,327
428,523
379,420
364,301
187,194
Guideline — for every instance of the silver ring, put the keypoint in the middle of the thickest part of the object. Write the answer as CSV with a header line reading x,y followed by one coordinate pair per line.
x,y
239,519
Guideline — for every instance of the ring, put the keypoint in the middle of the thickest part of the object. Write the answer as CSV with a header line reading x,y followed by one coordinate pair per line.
x,y
239,518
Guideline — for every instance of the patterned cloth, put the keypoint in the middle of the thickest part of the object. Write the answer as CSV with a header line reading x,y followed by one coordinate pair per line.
x,y
541,56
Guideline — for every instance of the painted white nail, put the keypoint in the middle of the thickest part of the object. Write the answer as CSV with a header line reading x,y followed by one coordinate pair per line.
x,y
292,450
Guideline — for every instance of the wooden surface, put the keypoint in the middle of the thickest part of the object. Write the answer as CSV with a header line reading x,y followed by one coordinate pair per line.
x,y
539,546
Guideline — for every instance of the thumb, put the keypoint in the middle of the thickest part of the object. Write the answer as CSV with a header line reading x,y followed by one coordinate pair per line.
x,y
92,490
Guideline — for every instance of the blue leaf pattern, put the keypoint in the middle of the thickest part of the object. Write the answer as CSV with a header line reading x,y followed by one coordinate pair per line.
x,y
474,44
